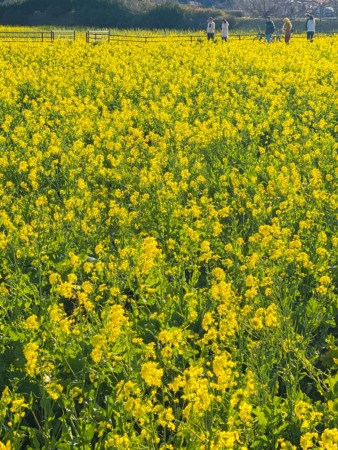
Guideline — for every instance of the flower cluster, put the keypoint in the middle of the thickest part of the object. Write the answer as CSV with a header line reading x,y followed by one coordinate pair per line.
x,y
169,245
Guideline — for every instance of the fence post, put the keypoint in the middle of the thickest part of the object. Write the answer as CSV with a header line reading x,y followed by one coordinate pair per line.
x,y
52,35
74,35
41,36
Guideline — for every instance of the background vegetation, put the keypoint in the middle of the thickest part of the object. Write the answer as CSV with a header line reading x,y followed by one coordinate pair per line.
x,y
133,14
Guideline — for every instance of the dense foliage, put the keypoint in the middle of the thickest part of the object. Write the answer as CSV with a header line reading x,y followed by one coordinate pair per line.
x,y
139,14
67,13
169,245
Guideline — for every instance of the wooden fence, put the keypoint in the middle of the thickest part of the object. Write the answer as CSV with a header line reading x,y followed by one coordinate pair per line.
x,y
96,36
68,35
107,36
159,38
99,36
36,36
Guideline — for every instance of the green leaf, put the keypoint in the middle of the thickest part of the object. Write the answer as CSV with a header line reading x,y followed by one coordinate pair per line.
x,y
281,428
15,335
89,432
262,420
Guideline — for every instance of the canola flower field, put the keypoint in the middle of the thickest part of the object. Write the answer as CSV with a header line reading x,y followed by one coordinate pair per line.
x,y
169,246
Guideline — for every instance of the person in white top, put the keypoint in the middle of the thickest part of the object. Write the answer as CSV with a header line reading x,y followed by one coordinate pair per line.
x,y
211,29
225,30
310,28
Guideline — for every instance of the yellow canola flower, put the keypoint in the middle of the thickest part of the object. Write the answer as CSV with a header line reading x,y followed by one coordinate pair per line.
x,y
151,374
150,253
6,446
223,367
54,390
31,352
219,274
265,317
32,322
226,440
307,441
59,318
329,439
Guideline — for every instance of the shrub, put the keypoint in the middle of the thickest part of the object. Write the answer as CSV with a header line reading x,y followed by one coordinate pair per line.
x,y
168,15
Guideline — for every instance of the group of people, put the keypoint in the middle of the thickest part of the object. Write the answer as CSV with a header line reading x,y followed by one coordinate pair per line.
x,y
211,28
269,29
287,29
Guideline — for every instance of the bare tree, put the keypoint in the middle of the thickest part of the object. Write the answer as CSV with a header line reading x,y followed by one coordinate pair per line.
x,y
289,8
262,8
310,6
292,8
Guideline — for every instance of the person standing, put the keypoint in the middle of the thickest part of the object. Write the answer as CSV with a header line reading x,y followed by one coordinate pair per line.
x,y
310,28
287,29
225,30
269,29
307,19
211,29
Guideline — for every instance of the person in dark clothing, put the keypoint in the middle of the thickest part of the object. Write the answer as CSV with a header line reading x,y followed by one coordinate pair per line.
x,y
269,29
307,19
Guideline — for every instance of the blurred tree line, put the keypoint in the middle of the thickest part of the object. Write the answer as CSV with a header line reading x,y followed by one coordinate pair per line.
x,y
153,14
102,13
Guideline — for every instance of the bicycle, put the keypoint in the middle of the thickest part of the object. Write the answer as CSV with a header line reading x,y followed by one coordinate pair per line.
x,y
261,37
